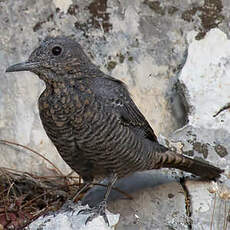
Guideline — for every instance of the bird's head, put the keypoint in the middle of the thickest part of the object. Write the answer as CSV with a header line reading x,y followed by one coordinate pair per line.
x,y
57,59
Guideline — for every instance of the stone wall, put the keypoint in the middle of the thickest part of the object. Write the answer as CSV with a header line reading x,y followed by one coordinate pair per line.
x,y
155,47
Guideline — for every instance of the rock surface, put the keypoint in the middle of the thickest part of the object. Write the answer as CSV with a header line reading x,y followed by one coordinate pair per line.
x,y
128,185
204,80
68,218
210,210
177,69
160,208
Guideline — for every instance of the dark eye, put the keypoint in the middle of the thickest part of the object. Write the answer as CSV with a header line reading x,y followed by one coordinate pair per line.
x,y
56,50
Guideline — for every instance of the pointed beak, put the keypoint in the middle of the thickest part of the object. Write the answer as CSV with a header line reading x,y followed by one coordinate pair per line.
x,y
24,66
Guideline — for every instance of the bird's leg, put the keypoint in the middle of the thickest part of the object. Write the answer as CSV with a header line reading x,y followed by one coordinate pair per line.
x,y
99,210
80,190
83,188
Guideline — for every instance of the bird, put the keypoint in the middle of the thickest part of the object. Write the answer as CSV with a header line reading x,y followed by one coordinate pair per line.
x,y
93,121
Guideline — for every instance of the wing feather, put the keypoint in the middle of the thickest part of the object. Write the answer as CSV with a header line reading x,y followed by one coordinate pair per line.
x,y
115,98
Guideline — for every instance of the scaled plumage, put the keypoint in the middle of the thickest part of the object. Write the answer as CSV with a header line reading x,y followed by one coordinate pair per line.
x,y
92,120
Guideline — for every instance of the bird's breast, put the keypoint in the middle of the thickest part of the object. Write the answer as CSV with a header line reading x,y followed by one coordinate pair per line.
x,y
71,108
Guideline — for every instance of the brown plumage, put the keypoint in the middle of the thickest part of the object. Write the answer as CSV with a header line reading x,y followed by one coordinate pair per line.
x,y
92,120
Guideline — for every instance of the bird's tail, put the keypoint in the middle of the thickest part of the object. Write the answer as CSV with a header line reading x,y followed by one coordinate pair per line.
x,y
170,159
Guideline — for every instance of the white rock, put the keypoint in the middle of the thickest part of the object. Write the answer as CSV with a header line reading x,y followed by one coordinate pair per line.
x,y
63,5
68,219
161,207
206,76
205,80
208,210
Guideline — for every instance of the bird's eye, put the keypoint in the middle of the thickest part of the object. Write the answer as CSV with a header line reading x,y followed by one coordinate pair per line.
x,y
56,50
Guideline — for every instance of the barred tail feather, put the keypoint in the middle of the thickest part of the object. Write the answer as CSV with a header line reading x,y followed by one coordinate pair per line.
x,y
170,159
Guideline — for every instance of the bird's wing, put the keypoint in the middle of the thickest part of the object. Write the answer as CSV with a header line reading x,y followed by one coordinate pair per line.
x,y
116,99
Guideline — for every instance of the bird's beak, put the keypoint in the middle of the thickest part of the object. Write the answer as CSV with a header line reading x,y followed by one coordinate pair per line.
x,y
24,66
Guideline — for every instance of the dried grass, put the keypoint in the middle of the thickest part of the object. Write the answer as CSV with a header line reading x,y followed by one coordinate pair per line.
x,y
25,196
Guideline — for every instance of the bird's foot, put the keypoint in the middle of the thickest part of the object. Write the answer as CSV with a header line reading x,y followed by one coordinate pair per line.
x,y
99,210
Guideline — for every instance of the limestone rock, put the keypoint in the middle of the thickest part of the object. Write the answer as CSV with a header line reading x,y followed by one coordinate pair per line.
x,y
67,218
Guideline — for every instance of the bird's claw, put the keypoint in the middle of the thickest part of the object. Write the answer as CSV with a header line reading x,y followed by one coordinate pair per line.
x,y
71,210
95,212
85,211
